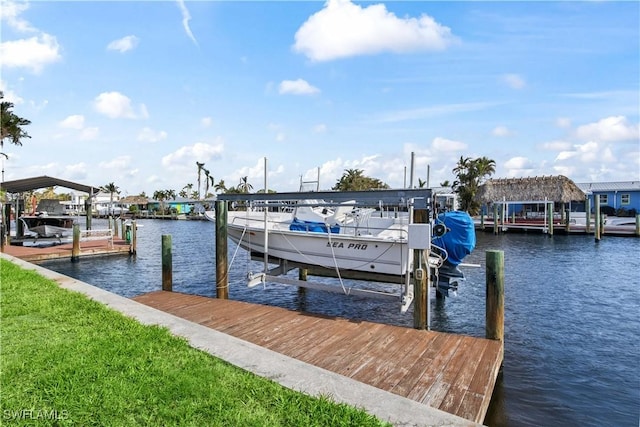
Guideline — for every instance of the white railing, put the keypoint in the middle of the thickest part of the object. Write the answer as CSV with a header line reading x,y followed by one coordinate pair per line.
x,y
90,235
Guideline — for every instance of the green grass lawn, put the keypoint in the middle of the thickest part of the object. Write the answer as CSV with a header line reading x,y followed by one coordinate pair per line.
x,y
68,360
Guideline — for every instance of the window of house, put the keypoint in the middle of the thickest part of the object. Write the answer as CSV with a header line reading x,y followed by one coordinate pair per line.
x,y
604,199
625,199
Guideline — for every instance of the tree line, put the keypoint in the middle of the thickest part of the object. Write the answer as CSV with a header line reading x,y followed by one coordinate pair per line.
x,y
469,173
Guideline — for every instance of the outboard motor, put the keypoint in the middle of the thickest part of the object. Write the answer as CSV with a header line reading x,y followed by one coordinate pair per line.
x,y
457,242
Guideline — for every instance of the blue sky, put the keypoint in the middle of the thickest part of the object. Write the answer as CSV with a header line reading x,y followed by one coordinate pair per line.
x,y
136,93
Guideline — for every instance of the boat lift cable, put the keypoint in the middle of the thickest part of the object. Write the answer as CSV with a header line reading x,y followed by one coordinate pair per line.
x,y
335,262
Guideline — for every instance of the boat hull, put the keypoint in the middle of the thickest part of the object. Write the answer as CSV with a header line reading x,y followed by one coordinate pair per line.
x,y
326,249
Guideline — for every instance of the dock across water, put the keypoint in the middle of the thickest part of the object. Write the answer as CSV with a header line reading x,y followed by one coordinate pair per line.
x,y
453,373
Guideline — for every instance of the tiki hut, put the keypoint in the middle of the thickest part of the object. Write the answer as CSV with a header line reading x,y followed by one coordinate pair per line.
x,y
530,190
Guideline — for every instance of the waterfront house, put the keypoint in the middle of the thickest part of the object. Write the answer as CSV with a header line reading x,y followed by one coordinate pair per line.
x,y
620,198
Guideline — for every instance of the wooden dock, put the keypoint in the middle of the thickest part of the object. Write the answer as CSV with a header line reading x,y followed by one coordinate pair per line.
x,y
89,248
453,373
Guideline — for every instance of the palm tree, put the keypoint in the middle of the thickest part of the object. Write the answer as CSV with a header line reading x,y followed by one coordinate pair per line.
x,y
186,191
244,185
208,180
471,174
160,195
110,188
200,167
220,187
10,127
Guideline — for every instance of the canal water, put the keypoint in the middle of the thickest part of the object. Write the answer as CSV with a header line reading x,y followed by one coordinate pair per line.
x,y
572,323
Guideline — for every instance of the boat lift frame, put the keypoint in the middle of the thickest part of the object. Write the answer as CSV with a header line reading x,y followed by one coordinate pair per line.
x,y
404,199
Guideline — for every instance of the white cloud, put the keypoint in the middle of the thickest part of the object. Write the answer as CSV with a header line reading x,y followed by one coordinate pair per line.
x,y
434,111
124,44
149,135
297,87
89,134
118,163
519,167
77,171
206,122
186,17
514,81
556,145
501,131
610,129
116,105
75,121
10,13
563,122
32,53
443,144
189,154
9,95
565,155
342,29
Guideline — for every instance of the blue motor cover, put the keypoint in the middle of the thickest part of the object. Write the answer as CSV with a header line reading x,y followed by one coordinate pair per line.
x,y
460,238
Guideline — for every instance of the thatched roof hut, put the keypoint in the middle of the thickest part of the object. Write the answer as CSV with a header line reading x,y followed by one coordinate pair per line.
x,y
134,200
552,188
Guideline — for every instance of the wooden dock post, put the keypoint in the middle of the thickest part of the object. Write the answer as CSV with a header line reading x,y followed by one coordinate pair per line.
x,y
598,219
638,225
75,250
495,295
134,237
495,218
587,214
303,273
167,263
550,218
222,279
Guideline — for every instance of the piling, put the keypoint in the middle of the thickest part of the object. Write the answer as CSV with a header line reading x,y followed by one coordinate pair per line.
x,y
638,225
550,217
587,204
495,295
302,274
132,247
167,263
495,218
598,229
222,278
75,251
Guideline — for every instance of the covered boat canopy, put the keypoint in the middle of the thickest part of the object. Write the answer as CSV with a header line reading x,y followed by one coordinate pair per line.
x,y
552,188
29,184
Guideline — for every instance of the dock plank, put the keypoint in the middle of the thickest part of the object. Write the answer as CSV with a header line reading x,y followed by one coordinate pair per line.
x,y
453,372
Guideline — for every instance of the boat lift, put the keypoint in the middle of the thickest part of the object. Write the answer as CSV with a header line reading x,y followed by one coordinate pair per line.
x,y
406,200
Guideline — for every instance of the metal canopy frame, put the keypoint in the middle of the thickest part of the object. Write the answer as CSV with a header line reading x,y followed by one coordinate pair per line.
x,y
394,197
28,184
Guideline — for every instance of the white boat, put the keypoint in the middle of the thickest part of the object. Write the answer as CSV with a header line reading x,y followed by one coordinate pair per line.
x,y
345,237
46,226
45,230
